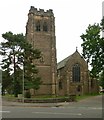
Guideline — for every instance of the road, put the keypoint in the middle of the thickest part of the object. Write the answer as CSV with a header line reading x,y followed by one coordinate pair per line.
x,y
88,108
0,103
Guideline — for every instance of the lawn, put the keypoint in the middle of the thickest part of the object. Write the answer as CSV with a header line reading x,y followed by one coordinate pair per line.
x,y
78,98
45,97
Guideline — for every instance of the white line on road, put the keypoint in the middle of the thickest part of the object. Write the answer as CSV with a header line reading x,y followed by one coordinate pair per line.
x,y
95,108
4,111
91,108
58,113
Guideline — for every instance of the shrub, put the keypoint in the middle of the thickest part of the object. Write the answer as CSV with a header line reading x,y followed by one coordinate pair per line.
x,y
27,94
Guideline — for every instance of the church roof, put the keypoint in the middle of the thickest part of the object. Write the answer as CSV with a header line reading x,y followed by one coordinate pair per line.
x,y
62,63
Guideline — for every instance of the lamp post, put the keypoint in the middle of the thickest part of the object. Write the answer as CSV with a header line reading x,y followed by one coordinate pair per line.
x,y
23,85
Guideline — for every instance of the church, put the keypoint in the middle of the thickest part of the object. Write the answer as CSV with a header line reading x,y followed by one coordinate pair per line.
x,y
71,75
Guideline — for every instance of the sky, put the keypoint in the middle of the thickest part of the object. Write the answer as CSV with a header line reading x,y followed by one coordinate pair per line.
x,y
72,18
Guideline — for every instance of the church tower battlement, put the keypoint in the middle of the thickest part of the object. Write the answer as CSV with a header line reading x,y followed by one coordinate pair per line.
x,y
34,10
40,32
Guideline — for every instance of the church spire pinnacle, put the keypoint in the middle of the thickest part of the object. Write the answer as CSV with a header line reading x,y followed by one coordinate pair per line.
x,y
76,49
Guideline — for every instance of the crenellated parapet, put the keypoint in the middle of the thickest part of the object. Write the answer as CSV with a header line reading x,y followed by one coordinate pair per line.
x,y
39,12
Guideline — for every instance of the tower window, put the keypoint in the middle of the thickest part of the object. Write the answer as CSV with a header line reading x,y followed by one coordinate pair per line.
x,y
38,26
76,73
45,27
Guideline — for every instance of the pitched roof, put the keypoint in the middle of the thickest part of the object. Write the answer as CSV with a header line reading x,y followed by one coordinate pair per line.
x,y
62,63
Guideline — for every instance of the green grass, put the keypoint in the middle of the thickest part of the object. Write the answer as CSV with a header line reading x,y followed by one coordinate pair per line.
x,y
44,97
85,96
11,97
49,96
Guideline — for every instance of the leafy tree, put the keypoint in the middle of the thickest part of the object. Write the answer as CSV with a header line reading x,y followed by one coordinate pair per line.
x,y
5,78
32,80
93,48
17,82
18,54
101,79
12,51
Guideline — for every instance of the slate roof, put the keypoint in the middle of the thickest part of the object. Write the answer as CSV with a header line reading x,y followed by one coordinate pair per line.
x,y
62,63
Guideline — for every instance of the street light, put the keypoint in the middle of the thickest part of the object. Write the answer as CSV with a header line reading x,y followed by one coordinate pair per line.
x,y
23,93
22,60
23,85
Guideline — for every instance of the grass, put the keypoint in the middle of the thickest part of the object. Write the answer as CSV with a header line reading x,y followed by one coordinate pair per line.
x,y
44,97
85,96
8,96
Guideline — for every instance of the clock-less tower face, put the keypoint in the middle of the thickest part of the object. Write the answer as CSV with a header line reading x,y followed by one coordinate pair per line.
x,y
40,32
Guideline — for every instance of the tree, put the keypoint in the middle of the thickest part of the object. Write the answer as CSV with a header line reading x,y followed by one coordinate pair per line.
x,y
101,79
5,84
18,54
11,50
93,48
32,80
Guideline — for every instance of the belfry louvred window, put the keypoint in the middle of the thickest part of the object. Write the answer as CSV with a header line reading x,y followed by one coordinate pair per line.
x,y
76,73
45,27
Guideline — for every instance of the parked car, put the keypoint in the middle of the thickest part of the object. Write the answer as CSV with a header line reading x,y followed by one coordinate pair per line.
x,y
102,91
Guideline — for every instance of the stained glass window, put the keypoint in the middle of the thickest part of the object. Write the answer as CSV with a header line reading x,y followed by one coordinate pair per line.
x,y
76,73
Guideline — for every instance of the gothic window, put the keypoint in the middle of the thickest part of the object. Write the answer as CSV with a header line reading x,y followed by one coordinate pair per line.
x,y
76,73
60,85
45,27
38,26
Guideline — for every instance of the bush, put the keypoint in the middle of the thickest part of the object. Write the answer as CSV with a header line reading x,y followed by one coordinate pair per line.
x,y
27,94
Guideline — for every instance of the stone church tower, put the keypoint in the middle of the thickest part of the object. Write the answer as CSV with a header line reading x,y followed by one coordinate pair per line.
x,y
40,32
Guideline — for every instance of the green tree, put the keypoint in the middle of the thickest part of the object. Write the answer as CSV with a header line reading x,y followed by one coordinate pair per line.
x,y
17,82
6,81
18,54
101,79
32,80
93,48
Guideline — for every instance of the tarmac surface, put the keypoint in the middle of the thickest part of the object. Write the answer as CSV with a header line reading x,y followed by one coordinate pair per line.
x,y
90,107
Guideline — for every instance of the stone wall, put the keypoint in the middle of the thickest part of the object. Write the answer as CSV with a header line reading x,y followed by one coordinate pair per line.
x,y
40,32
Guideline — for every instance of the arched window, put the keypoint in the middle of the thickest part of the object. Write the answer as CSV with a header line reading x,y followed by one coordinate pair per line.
x,y
45,27
38,26
76,73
